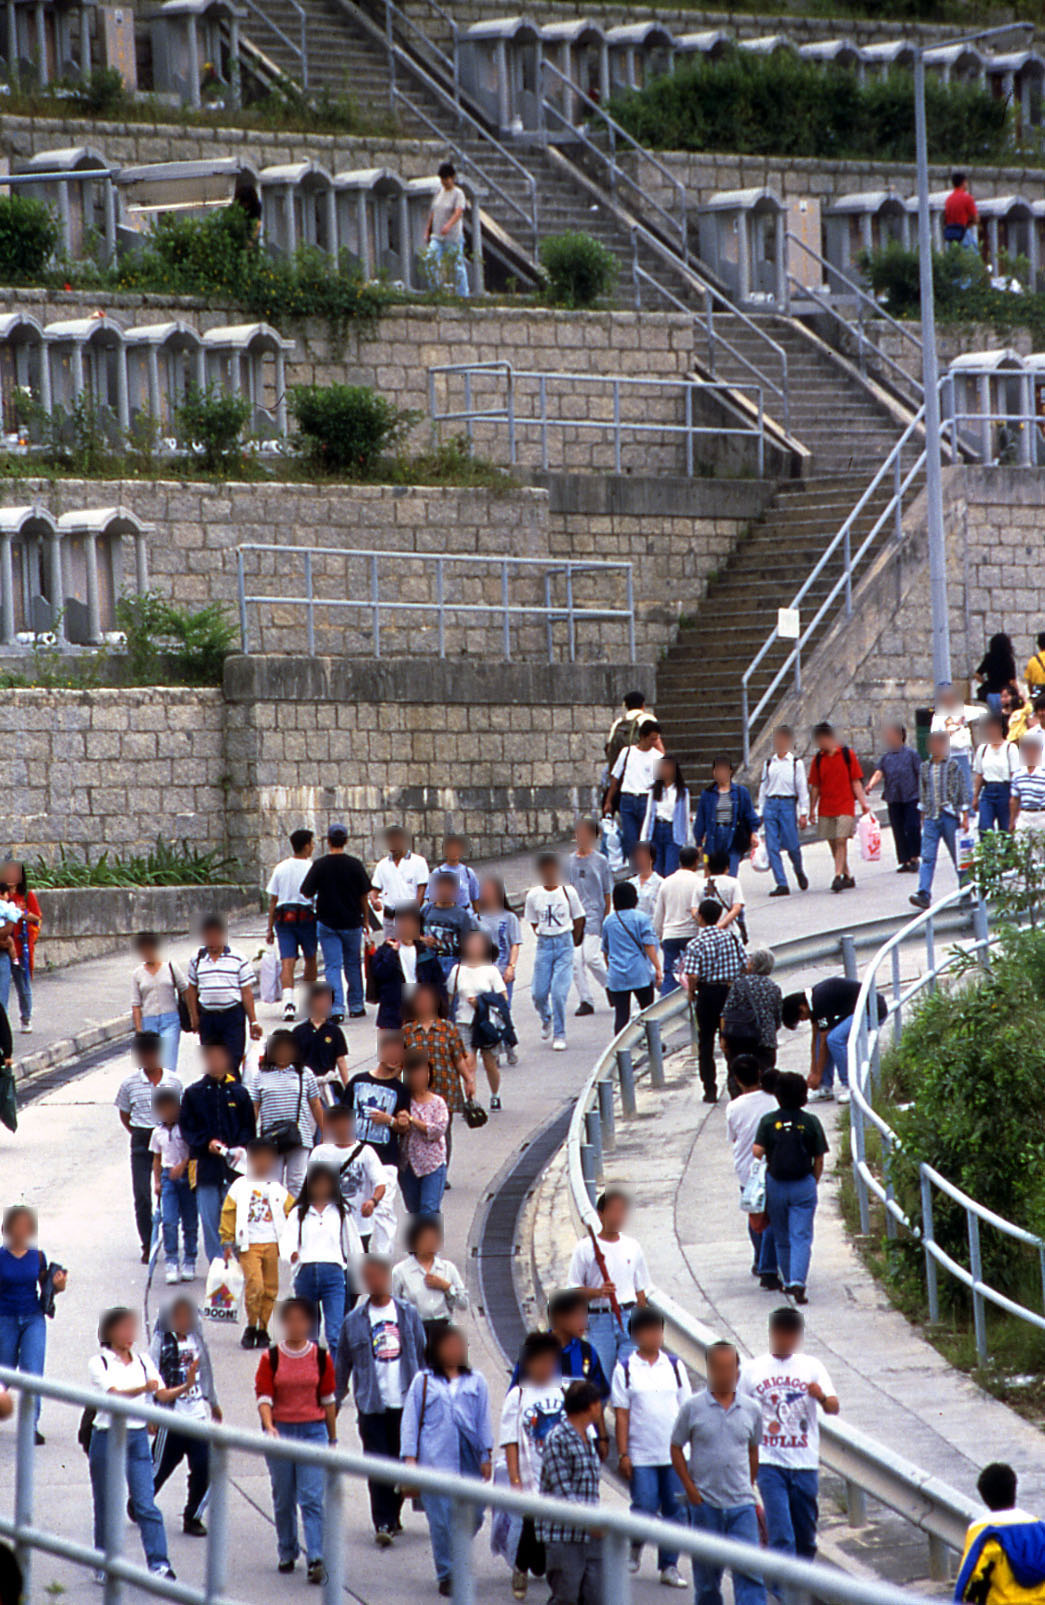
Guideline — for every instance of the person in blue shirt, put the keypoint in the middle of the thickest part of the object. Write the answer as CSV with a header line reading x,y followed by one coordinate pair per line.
x,y
629,946
446,1427
726,818
578,1360
465,878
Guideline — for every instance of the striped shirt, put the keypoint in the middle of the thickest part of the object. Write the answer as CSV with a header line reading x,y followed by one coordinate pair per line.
x,y
284,1095
219,982
1029,786
136,1094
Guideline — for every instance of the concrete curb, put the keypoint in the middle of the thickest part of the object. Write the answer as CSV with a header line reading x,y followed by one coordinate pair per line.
x,y
33,1065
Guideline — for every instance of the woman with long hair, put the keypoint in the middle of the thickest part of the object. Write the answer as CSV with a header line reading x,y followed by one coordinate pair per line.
x,y
668,819
997,668
17,961
322,1241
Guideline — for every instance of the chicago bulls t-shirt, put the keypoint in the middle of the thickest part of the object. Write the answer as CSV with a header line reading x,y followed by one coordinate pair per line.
x,y
790,1418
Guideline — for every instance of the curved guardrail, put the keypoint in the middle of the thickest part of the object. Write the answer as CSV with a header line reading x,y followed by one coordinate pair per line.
x,y
867,1468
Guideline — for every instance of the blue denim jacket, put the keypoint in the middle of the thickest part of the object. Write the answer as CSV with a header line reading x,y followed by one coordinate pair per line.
x,y
355,1355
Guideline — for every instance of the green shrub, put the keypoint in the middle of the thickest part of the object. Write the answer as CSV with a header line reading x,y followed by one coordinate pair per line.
x,y
580,269
165,642
212,421
28,238
101,94
346,429
168,864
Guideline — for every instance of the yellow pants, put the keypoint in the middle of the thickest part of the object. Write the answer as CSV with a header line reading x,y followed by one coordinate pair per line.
x,y
260,1266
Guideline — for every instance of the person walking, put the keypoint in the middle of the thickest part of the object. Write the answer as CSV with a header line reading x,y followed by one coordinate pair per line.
x,y
398,966
1004,1557
725,889
379,1352
158,988
629,946
340,886
221,993
444,235
446,1427
570,1470
253,1217
380,1102
17,961
726,819
479,999
533,1408
179,1352
996,671
453,1074
783,804
793,1144
790,1389
295,1390
836,786
956,718
399,879
993,768
631,781
715,1452
292,917
646,881
711,963
28,1285
649,1389
320,1240
753,1012
674,921
960,215
135,1101
324,1049
446,921
422,1175
613,1294
667,825
624,730
588,872
743,1117
426,1279
217,1123
1027,805
502,926
122,1369
287,1106
943,800
174,1195
898,768
578,1358
359,1171
831,1005
466,882
556,915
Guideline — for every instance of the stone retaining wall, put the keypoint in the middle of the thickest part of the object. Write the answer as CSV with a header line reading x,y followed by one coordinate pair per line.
x,y
84,922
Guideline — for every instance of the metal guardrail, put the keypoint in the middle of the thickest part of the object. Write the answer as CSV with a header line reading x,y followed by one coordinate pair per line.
x,y
300,50
798,1582
572,613
864,1077
511,415
868,1469
1024,447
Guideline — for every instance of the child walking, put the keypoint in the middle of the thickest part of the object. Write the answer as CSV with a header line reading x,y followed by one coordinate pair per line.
x,y
475,975
505,931
252,1219
176,1199
422,1179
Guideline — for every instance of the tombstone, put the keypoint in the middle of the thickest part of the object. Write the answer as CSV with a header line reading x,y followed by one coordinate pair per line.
x,y
1009,225
769,44
577,52
891,54
742,241
163,361
710,43
196,51
956,64
298,207
187,189
867,222
420,192
842,53
372,221
85,204
1034,367
94,568
249,359
30,573
48,39
23,364
1018,78
117,45
638,52
86,356
501,71
937,202
988,393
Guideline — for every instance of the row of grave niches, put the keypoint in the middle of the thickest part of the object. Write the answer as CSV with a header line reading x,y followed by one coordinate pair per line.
x,y
60,577
372,214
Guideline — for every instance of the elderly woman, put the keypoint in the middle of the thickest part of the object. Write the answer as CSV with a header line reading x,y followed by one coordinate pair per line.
x,y
751,1017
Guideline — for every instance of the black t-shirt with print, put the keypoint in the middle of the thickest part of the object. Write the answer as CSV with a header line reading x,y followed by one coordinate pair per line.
x,y
365,1092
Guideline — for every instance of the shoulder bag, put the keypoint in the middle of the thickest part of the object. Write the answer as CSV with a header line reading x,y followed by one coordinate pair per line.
x,y
184,1017
286,1134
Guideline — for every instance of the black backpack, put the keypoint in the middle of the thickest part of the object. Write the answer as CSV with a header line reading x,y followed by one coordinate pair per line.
x,y
321,1364
790,1159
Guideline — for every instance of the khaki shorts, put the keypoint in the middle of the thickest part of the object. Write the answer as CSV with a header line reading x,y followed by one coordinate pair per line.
x,y
835,828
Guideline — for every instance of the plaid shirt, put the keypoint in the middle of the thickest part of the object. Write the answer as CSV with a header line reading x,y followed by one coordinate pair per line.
x,y
943,788
443,1045
714,956
569,1470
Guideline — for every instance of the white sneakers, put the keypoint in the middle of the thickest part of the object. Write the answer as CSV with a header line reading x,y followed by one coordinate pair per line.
x,y
172,1275
843,1096
559,1044
27,1026
821,1095
188,1273
289,1011
671,1578
546,1030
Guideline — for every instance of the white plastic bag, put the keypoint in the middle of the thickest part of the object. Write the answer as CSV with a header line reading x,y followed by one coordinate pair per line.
x,y
965,847
760,856
270,989
753,1192
223,1292
870,835
611,843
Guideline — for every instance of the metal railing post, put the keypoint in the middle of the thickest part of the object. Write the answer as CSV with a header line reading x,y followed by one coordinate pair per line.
x,y
616,1578
241,591
310,599
709,319
849,966
932,1286
655,1054
636,282
630,583
941,1569
855,1504
375,603
979,925
616,426
469,428
898,499
887,1179
542,402
115,1500
745,722
689,431
604,1090
511,415
25,1463
462,1532
856,1118
507,612
217,1557
761,435
847,558
979,1314
591,1184
626,1071
431,402
440,603
593,1132
569,613
334,1538
548,626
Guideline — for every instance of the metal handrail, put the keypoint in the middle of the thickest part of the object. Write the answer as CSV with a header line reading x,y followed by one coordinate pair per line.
x,y
450,64
856,330
571,612
853,288
301,49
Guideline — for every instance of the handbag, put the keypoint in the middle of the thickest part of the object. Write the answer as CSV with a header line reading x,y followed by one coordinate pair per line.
x,y
184,1017
475,1115
286,1134
371,991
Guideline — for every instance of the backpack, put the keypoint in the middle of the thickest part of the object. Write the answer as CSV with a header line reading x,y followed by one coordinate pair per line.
x,y
623,734
739,1017
675,1366
321,1365
789,1160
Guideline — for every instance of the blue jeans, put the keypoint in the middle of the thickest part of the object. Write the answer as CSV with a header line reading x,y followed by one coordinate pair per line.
x,y
324,1286
838,1052
423,1195
672,949
656,1490
439,1512
23,1344
168,1029
178,1208
791,1206
780,818
733,1521
147,1517
441,254
209,1198
935,831
790,1500
19,974
295,1487
632,819
665,850
342,950
552,978
609,1338
993,806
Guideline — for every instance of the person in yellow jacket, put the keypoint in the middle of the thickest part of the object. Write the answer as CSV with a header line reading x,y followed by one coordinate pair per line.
x,y
1004,1558
1035,675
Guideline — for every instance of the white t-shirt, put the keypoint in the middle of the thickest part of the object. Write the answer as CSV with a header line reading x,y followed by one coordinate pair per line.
x,y
192,1403
285,883
109,1374
408,965
742,1118
636,770
647,891
956,722
654,1392
625,1262
445,204
398,883
467,981
790,1418
665,808
386,1345
724,889
264,1225
554,912
320,1237
996,764
531,1411
359,1176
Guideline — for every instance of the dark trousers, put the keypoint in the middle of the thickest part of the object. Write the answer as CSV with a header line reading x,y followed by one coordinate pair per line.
x,y
228,1026
141,1183
171,1449
622,1003
379,1435
711,1000
906,824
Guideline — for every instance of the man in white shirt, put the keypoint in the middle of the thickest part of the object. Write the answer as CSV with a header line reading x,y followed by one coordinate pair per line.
x,y
589,873
631,781
673,917
956,717
556,914
399,879
444,234
292,917
648,1390
791,1388
783,806
624,1282
742,1119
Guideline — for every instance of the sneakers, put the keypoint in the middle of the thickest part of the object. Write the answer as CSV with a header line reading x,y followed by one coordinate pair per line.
x,y
634,1558
193,1527
585,1008
495,1104
796,1293
357,1014
771,1284
285,1567
920,900
164,1569
513,1058
27,1026
317,1572
99,1577
261,1337
803,880
520,1582
188,1271
778,891
248,1340
383,1538
843,1096
671,1578
337,1019
821,1095
289,1011
546,1030
559,1045
172,1274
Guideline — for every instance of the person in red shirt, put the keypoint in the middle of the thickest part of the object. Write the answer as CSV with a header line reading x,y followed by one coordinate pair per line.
x,y
16,961
960,215
295,1392
836,785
